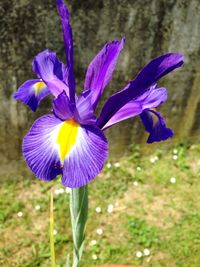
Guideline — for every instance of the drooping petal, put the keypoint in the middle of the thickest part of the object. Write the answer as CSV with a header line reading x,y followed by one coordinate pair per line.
x,y
86,159
84,109
157,131
147,120
54,147
151,73
100,70
47,67
68,41
40,148
31,93
62,107
150,99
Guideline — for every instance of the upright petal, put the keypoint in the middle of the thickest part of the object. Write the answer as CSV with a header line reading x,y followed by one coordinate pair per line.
x,y
157,131
86,159
68,41
100,70
62,107
151,73
47,66
150,99
31,93
84,110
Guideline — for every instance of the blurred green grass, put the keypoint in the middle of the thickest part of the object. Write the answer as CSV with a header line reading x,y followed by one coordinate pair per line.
x,y
149,211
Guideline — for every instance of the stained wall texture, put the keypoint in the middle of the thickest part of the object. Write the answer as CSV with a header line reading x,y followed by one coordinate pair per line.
x,y
151,27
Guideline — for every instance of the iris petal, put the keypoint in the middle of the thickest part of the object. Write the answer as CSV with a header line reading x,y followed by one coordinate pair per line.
x,y
151,73
150,99
55,147
68,41
87,158
62,107
47,66
100,70
67,137
31,93
157,131
84,109
40,148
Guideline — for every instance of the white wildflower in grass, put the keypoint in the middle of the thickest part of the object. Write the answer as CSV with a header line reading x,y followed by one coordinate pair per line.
x,y
117,164
98,210
108,165
156,158
152,160
138,168
99,231
116,204
146,252
110,208
20,214
175,151
135,183
55,232
108,175
67,190
94,257
37,207
173,180
175,157
57,191
93,242
61,191
138,254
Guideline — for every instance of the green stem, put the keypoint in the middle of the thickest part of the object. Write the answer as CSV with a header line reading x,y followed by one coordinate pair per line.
x,y
53,258
79,211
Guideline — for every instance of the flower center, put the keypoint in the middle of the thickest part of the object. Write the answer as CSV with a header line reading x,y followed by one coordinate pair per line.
x,y
67,136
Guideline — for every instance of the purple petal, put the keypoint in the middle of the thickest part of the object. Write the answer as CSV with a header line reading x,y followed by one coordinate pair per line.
x,y
84,110
87,158
62,107
150,99
158,131
147,120
31,93
47,66
68,41
100,70
55,147
128,111
40,150
154,98
151,73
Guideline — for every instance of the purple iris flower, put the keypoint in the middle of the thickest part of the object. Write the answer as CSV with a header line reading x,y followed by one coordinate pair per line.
x,y
71,141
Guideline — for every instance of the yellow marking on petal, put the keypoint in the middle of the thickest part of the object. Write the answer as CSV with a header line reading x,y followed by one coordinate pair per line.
x,y
67,136
39,86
